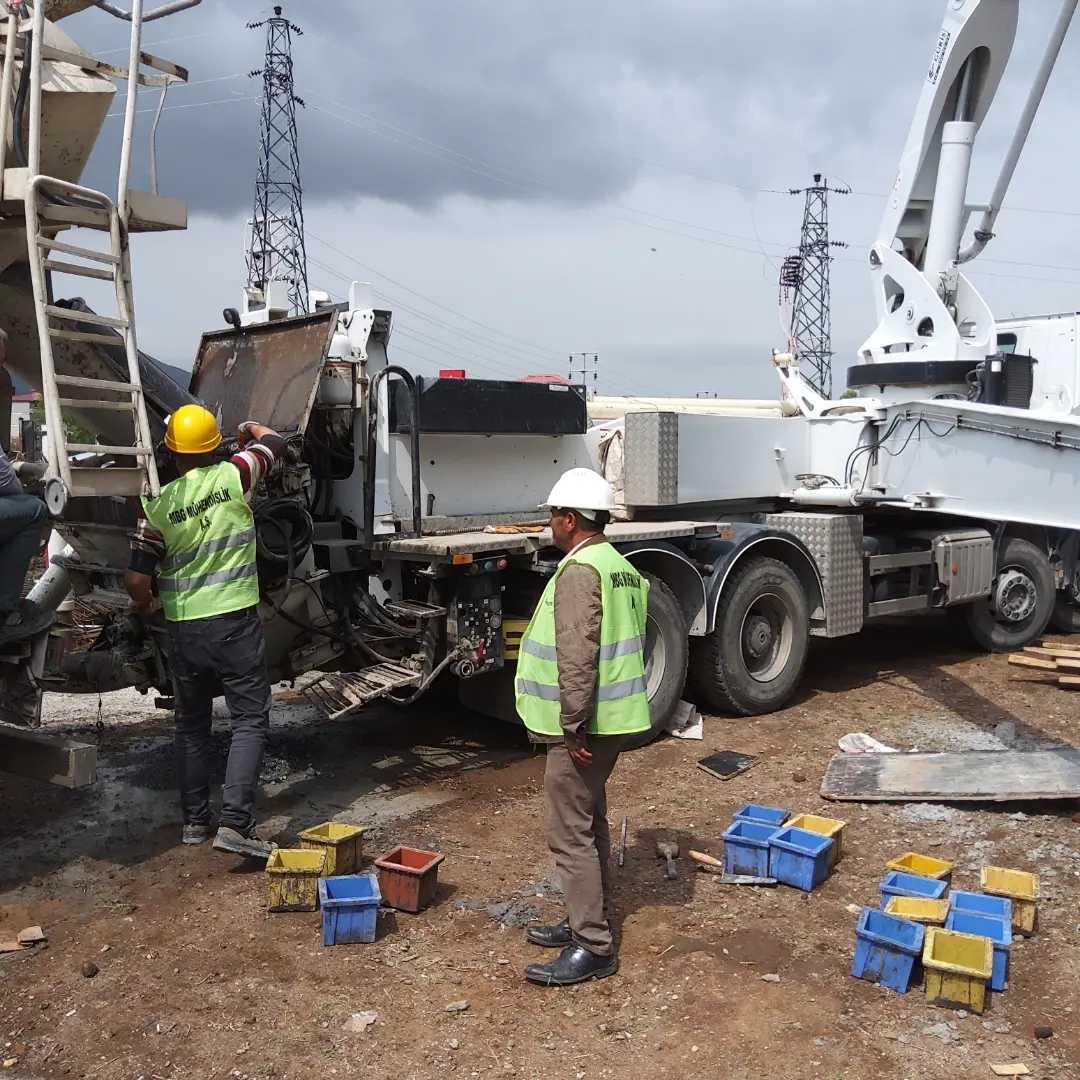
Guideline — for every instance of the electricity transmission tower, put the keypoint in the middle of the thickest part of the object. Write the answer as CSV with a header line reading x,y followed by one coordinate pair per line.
x,y
584,359
276,246
804,283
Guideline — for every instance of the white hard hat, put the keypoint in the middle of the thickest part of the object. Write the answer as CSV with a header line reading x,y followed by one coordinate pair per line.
x,y
581,489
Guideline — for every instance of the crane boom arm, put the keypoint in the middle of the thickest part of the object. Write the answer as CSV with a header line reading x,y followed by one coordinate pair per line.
x,y
965,69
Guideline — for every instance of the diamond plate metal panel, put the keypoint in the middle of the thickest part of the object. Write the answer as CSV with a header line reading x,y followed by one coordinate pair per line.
x,y
836,543
651,459
965,564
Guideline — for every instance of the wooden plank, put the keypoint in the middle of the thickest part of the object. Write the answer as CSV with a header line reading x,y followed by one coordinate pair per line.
x,y
1022,660
52,758
975,776
1059,646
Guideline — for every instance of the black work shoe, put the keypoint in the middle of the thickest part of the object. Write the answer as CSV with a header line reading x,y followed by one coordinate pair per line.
x,y
27,621
574,964
250,846
550,937
196,834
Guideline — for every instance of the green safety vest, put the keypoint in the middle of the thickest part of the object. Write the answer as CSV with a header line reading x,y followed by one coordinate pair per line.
x,y
622,705
209,566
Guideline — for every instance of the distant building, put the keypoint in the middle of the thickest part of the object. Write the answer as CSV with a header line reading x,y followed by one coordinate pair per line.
x,y
20,410
561,379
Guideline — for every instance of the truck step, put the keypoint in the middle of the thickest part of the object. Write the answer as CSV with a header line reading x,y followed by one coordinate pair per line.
x,y
341,693
413,609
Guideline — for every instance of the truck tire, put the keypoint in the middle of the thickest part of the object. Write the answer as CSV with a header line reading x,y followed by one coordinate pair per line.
x,y
1025,590
1065,618
752,661
667,652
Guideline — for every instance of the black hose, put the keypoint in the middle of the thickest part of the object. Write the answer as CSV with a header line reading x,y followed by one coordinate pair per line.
x,y
18,108
293,523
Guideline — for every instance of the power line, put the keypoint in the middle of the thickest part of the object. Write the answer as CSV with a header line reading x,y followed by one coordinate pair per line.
x,y
489,171
187,105
433,149
543,353
500,368
398,305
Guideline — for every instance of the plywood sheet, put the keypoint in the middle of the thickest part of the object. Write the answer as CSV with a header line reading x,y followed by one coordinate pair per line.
x,y
976,776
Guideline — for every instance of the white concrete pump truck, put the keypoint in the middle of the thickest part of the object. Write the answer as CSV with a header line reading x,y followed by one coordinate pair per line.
x,y
395,544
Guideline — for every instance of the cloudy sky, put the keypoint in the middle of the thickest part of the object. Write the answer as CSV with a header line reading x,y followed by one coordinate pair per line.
x,y
523,180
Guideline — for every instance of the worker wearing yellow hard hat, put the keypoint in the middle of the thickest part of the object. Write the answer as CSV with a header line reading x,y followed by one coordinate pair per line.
x,y
197,539
192,430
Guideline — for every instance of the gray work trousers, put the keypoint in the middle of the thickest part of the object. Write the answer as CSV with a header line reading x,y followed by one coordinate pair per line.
x,y
223,654
576,827
21,519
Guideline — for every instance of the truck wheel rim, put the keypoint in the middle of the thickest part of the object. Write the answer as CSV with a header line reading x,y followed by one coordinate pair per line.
x,y
655,657
1015,595
766,636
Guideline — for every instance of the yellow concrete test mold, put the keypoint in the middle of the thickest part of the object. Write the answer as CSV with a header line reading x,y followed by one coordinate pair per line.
x,y
824,826
1021,888
341,844
918,909
294,878
958,968
911,862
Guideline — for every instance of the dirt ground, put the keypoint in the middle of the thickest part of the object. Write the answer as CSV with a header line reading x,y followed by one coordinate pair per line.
x,y
196,979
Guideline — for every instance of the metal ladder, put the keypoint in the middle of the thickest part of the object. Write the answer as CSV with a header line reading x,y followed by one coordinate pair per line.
x,y
53,205
54,323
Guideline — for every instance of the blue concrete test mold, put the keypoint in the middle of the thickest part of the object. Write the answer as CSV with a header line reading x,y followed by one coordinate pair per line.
x,y
746,847
886,949
897,883
350,908
771,815
799,857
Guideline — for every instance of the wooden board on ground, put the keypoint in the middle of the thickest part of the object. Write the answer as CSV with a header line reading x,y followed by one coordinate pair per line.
x,y
1039,662
974,776
52,758
1060,646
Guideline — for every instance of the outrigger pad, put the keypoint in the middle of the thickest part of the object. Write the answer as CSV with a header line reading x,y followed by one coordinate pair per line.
x,y
974,776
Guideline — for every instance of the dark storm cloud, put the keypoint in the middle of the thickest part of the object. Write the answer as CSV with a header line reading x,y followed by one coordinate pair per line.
x,y
559,101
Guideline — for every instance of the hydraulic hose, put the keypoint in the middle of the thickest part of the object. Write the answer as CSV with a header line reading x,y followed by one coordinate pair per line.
x,y
291,521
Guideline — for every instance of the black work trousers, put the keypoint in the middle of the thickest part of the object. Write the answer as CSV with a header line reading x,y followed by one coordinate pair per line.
x,y
21,520
223,654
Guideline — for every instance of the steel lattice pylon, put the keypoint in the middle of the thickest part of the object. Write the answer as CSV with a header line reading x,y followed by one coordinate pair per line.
x,y
276,249
806,275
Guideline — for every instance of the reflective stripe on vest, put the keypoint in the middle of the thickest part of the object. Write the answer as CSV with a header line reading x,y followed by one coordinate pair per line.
x,y
622,704
236,540
209,566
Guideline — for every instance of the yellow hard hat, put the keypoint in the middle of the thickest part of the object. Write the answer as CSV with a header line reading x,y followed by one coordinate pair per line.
x,y
192,430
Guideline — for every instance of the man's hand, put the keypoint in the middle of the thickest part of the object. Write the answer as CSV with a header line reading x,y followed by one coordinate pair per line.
x,y
250,431
140,589
580,755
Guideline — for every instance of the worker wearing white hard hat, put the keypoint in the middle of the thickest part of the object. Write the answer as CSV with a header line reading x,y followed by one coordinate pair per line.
x,y
580,687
